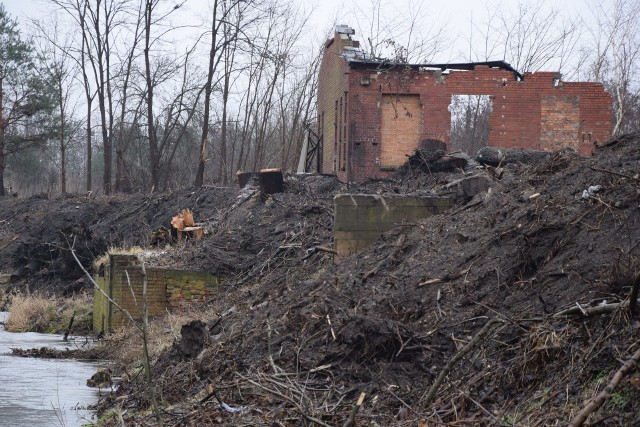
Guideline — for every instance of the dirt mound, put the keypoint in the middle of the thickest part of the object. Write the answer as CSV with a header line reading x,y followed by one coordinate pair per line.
x,y
474,297
487,281
36,233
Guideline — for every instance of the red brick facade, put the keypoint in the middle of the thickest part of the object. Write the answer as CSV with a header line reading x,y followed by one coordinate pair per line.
x,y
359,100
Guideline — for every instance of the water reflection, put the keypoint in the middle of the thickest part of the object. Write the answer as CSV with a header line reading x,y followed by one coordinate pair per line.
x,y
42,392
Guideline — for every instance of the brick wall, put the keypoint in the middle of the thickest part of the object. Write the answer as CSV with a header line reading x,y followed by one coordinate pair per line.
x,y
334,106
537,112
360,219
122,280
401,125
185,287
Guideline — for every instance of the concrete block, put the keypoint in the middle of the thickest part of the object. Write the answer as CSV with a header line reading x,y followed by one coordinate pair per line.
x,y
360,219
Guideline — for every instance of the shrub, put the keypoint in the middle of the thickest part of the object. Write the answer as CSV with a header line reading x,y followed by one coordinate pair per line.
x,y
30,313
40,313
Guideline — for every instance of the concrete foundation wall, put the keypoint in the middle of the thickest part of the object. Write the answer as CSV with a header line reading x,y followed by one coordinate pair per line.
x,y
100,305
360,219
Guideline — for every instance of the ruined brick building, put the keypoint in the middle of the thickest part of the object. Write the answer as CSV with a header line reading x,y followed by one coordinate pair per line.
x,y
372,113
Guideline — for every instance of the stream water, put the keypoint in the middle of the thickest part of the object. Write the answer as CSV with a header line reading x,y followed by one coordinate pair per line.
x,y
42,392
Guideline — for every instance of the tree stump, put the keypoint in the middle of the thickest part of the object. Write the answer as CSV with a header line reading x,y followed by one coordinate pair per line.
x,y
195,336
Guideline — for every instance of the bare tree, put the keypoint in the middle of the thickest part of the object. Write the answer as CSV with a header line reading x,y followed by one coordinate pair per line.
x,y
614,56
59,75
123,182
400,36
226,22
98,22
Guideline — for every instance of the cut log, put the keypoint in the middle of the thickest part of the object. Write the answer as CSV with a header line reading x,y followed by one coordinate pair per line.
x,y
183,223
197,232
177,222
271,181
245,178
187,215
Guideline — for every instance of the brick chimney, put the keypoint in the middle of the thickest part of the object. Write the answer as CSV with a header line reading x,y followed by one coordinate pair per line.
x,y
343,35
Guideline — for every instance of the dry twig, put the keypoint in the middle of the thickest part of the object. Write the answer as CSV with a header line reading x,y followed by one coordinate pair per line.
x,y
633,296
286,398
431,394
354,411
595,403
591,311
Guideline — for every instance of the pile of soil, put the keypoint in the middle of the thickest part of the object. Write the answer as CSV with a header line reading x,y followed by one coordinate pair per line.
x,y
36,233
298,338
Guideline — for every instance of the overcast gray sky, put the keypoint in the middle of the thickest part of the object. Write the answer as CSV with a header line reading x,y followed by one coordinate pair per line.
x,y
461,20
457,13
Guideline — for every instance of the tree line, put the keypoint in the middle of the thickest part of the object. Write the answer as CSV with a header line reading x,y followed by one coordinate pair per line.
x,y
126,95
131,97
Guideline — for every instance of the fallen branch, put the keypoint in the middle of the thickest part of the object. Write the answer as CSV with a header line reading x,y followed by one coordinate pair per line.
x,y
315,249
633,296
271,361
286,398
431,394
333,334
429,282
591,311
325,249
354,411
612,172
595,403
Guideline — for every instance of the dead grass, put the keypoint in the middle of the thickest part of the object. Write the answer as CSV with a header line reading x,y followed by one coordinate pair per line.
x,y
30,313
40,313
124,347
103,259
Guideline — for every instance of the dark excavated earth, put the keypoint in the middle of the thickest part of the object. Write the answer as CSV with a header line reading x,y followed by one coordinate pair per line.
x,y
299,337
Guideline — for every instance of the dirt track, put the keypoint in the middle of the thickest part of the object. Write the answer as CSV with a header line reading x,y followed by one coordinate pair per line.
x,y
301,335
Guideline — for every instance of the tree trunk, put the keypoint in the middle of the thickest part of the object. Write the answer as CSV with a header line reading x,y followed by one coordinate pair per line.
x,y
153,143
89,148
87,91
108,150
63,170
2,164
223,130
207,98
2,130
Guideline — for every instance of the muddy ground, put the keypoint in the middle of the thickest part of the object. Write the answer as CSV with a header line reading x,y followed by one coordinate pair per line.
x,y
298,338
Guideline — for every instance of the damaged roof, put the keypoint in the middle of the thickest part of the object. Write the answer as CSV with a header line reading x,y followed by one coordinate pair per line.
x,y
362,58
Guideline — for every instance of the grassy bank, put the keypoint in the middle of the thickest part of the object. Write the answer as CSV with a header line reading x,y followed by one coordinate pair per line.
x,y
49,314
